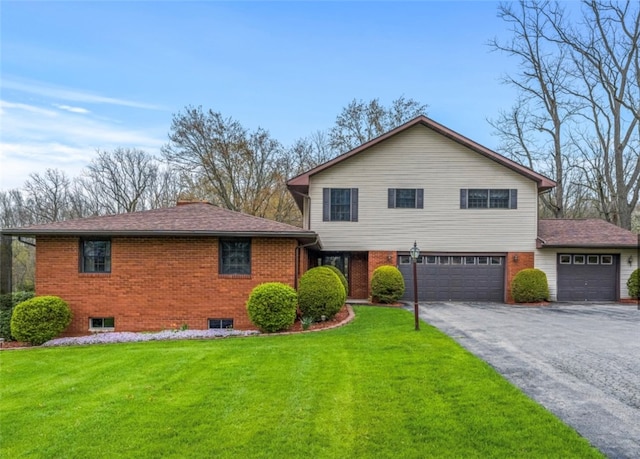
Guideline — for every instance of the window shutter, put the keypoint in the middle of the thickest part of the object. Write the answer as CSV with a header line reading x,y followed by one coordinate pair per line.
x,y
420,198
326,204
463,198
392,198
354,204
514,199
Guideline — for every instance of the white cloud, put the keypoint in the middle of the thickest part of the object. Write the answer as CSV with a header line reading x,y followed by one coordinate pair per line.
x,y
71,109
34,138
71,95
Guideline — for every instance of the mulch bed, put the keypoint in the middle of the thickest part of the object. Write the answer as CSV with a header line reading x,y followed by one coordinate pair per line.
x,y
342,316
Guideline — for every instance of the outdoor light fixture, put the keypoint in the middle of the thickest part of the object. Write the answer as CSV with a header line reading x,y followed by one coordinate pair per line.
x,y
630,260
515,257
415,253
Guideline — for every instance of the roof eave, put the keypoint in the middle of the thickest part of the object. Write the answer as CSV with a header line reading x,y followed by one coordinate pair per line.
x,y
544,183
588,246
304,235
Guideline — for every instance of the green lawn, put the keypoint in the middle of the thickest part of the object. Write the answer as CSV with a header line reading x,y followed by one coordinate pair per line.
x,y
374,388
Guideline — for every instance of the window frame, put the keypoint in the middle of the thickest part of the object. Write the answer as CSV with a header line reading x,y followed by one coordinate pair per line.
x,y
606,260
221,322
102,327
232,269
593,259
328,213
565,259
83,257
486,201
392,198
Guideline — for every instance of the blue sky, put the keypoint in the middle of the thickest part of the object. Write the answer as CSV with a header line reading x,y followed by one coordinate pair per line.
x,y
81,76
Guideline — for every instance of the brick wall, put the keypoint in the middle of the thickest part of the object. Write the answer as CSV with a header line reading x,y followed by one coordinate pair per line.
x,y
359,276
158,283
524,260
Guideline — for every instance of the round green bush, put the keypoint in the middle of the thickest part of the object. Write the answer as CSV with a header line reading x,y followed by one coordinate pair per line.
x,y
40,319
272,306
320,294
7,302
387,284
343,279
633,284
529,286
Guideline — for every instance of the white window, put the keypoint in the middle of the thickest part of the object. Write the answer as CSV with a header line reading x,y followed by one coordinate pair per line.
x,y
606,259
592,259
565,259
578,259
220,323
404,259
102,324
469,260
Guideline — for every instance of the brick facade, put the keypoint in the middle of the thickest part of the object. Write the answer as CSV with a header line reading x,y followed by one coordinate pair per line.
x,y
158,282
516,262
359,276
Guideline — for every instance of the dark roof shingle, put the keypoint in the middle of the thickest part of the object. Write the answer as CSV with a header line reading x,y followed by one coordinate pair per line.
x,y
193,219
587,233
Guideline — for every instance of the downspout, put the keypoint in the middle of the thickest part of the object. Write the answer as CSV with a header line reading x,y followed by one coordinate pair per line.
x,y
297,261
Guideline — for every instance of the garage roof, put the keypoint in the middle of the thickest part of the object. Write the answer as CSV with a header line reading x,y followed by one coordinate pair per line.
x,y
586,233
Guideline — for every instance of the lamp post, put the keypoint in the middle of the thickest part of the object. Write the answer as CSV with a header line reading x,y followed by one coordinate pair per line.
x,y
415,253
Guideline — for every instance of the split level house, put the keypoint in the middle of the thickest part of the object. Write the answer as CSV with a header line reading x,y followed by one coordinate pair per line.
x,y
472,212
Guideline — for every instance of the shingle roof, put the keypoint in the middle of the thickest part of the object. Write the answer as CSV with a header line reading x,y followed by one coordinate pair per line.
x,y
299,185
192,219
587,233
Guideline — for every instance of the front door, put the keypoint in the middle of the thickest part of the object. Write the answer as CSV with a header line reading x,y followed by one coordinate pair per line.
x,y
338,259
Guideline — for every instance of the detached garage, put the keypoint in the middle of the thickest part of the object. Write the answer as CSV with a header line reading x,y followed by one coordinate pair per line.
x,y
455,277
586,260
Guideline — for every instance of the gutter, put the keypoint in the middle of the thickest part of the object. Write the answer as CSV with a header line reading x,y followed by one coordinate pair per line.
x,y
25,242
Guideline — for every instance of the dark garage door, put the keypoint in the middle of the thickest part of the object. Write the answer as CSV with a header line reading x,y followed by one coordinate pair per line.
x,y
587,277
455,278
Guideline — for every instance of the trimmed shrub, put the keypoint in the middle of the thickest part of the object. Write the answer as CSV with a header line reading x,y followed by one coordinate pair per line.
x,y
633,284
387,284
272,306
320,294
343,279
40,319
529,286
7,303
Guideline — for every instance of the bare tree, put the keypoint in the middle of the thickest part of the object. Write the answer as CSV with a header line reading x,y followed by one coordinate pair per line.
x,y
47,196
235,168
579,87
534,131
13,209
362,121
606,58
121,181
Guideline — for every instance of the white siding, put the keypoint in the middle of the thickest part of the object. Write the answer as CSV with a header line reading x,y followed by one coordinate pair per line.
x,y
421,158
546,260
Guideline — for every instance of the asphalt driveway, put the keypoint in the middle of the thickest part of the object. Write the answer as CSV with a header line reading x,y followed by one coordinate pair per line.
x,y
582,362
